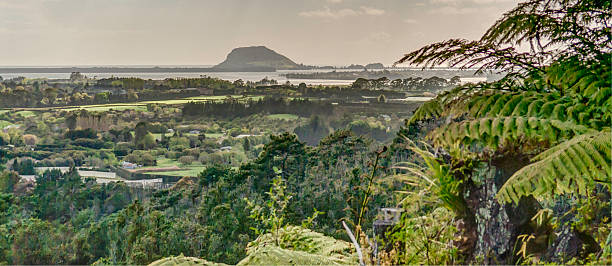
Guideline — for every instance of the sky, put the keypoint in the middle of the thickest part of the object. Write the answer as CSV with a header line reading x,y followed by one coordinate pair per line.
x,y
203,32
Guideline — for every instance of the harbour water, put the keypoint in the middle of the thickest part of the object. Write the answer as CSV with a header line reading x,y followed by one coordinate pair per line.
x,y
278,75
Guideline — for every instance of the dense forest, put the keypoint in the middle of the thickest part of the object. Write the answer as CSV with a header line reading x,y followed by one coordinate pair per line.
x,y
513,171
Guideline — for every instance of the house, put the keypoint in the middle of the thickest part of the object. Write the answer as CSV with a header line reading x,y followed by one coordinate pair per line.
x,y
7,128
245,136
128,165
195,132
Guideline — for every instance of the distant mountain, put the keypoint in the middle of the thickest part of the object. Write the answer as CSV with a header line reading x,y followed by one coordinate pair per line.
x,y
255,57
375,66
353,66
368,66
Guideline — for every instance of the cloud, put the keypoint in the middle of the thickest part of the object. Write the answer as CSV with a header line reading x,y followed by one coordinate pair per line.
x,y
381,37
492,1
326,12
451,10
410,21
334,1
372,11
478,2
452,2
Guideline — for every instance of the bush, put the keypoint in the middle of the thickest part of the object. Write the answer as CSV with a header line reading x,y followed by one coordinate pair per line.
x,y
186,160
87,133
141,157
30,139
5,139
24,167
172,154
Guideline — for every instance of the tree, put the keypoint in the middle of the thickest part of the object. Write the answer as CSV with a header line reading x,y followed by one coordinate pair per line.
x,y
313,131
71,121
140,132
551,103
544,129
5,139
186,160
148,141
246,144
30,139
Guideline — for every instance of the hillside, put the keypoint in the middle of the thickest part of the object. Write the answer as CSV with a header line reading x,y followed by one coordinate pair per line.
x,y
256,57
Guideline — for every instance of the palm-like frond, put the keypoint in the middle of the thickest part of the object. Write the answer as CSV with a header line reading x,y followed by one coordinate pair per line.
x,y
559,91
494,132
469,54
571,27
573,166
434,177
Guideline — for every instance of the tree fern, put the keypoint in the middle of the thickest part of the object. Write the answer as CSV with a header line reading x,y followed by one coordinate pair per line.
x,y
494,132
558,93
183,261
573,166
298,246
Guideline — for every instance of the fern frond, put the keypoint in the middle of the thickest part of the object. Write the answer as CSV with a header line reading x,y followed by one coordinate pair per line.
x,y
185,261
496,131
573,166
298,246
430,109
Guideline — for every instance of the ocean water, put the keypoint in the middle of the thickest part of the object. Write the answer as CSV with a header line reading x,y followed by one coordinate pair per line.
x,y
231,76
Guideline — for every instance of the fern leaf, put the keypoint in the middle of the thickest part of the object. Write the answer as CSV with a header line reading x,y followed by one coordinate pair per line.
x,y
573,166
496,131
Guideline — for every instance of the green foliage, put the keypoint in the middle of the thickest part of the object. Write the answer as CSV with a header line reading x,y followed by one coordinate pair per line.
x,y
183,261
313,131
299,246
567,102
423,236
574,166
272,216
141,157
435,177
497,132
552,106
8,180
24,166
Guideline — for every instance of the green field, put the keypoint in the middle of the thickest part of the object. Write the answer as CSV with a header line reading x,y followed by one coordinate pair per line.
x,y
288,117
189,170
162,162
26,113
141,106
106,107
208,135
193,170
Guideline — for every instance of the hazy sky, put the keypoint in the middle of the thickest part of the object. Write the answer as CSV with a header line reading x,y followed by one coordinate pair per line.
x,y
200,32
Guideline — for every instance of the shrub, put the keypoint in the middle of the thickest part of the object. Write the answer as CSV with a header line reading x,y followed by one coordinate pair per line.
x,y
141,157
24,167
30,139
89,143
87,133
186,160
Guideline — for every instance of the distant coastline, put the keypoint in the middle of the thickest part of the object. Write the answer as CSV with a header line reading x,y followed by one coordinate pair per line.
x,y
130,69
